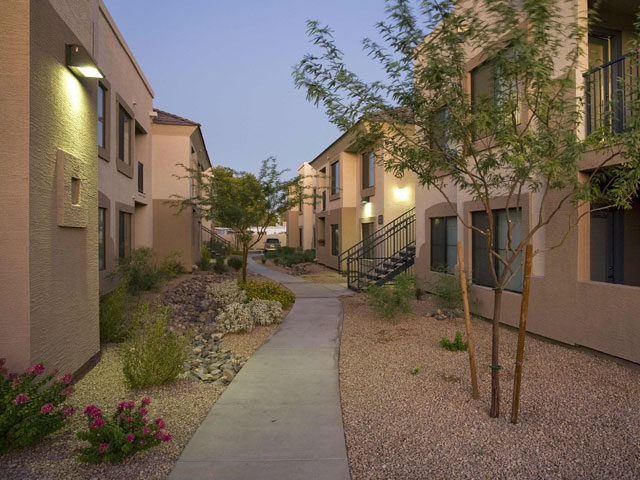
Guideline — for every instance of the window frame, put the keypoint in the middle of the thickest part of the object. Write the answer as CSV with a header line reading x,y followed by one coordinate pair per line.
x,y
368,170
125,234
124,133
447,246
335,239
104,120
103,218
334,169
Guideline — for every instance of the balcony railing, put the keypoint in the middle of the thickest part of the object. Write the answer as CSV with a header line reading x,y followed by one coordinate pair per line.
x,y
612,94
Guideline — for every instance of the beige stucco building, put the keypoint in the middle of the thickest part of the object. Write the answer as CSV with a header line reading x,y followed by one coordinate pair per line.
x,y
177,143
75,189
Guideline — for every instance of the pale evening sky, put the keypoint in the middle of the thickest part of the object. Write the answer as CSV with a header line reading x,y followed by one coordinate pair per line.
x,y
227,65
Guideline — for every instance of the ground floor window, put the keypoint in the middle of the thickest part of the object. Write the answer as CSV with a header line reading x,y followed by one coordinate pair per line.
x,y
102,255
481,266
615,249
124,234
444,238
335,240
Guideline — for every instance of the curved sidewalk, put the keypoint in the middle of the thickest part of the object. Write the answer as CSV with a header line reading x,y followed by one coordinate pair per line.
x,y
280,418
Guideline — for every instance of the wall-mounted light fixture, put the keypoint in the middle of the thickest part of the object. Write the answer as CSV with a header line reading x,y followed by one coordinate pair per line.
x,y
80,62
365,200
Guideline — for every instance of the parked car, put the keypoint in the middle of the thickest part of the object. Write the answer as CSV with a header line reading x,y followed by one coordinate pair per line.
x,y
271,245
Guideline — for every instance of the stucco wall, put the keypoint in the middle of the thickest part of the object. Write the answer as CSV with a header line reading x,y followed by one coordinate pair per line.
x,y
14,180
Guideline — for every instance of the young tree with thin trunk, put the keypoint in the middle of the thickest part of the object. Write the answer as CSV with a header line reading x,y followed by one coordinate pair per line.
x,y
508,130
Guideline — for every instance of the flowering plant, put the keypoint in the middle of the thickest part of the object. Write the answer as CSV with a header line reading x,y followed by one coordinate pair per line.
x,y
127,432
30,405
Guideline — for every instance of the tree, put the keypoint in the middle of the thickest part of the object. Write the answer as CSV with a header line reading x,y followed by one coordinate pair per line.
x,y
514,131
242,201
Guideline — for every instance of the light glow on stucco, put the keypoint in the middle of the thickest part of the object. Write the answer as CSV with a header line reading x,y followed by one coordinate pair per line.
x,y
74,91
367,210
401,194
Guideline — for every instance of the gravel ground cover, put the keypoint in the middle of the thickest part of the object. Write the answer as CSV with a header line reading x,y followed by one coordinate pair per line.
x,y
579,415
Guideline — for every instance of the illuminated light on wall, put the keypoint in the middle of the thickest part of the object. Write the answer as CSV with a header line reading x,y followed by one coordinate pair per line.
x,y
80,62
367,210
401,194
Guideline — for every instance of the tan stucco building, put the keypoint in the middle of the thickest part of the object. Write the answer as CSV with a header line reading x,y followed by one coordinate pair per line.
x,y
177,143
75,187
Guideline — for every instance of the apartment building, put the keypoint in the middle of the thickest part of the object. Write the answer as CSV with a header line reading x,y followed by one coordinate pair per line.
x,y
178,146
300,219
76,186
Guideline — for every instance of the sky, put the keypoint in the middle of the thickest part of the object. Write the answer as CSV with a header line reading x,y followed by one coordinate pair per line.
x,y
228,66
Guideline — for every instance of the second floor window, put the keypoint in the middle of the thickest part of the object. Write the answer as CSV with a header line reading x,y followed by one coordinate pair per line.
x,y
102,121
124,135
140,177
368,170
335,178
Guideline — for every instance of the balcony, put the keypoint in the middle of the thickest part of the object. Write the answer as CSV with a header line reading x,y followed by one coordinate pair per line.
x,y
612,94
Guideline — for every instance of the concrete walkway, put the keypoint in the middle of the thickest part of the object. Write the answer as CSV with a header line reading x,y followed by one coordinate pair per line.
x,y
280,418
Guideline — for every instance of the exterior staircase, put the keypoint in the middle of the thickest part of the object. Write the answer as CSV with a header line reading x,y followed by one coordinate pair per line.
x,y
217,245
382,256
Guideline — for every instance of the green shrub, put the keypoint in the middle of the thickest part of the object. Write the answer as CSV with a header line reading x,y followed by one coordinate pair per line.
x,y
235,262
219,267
390,300
457,345
205,259
287,250
139,271
268,290
171,267
448,290
115,322
126,433
30,405
153,355
309,255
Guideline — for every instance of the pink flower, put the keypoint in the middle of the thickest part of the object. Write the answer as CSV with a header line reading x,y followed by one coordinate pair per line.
x,y
142,442
97,423
131,437
145,400
66,379
2,361
104,447
21,398
146,430
15,382
38,369
142,411
47,408
94,411
160,423
166,437
68,411
128,419
67,391
145,421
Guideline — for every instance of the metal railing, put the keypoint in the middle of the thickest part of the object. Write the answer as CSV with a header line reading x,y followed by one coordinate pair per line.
x,y
216,244
381,256
612,94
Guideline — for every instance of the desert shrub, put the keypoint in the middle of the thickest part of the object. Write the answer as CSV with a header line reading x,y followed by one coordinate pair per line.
x,y
309,255
268,291
219,267
220,295
235,262
236,317
115,322
152,354
139,271
457,345
287,250
390,300
171,267
205,259
448,290
30,405
265,312
125,433
290,256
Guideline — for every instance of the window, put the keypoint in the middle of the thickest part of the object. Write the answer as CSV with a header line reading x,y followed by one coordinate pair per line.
x,y
335,178
102,119
315,198
444,238
335,240
300,232
102,255
124,234
124,135
368,170
440,136
615,251
140,177
481,268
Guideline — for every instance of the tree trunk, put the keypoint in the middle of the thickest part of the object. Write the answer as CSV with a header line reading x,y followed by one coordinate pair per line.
x,y
467,319
245,254
495,355
522,333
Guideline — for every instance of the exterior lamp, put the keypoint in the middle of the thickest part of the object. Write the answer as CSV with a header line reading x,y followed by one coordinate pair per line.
x,y
80,62
365,200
